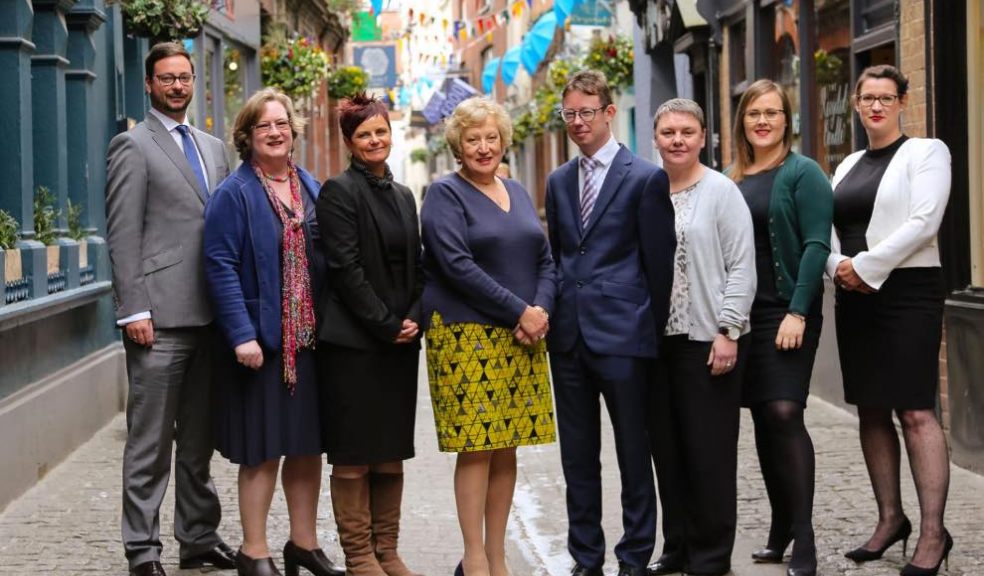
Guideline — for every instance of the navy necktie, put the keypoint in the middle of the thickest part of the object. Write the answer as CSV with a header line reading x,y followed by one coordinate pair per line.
x,y
192,156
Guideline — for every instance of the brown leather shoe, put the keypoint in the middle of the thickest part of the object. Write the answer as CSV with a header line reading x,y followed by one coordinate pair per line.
x,y
152,568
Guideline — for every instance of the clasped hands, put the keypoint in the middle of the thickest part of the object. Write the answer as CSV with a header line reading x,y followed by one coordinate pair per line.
x,y
847,278
533,326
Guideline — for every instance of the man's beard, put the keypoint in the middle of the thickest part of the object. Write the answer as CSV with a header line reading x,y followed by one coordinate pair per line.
x,y
163,104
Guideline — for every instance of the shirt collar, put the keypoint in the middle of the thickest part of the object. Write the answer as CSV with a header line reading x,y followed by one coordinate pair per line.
x,y
607,152
169,123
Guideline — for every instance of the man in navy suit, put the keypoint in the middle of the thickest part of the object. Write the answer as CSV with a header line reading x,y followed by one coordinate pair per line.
x,y
611,228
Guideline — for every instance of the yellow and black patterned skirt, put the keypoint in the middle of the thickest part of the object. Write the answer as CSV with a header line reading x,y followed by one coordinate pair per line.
x,y
488,390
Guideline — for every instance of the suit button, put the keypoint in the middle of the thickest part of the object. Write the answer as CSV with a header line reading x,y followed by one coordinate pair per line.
x,y
579,284
583,251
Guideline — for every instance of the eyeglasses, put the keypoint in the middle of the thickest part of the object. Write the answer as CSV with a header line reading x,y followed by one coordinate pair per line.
x,y
569,115
266,127
886,100
753,116
169,79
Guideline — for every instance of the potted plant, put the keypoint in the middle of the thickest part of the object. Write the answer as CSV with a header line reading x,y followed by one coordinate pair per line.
x,y
10,268
297,65
345,81
77,232
164,19
613,56
45,220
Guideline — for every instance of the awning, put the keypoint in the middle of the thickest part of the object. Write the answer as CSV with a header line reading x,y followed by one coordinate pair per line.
x,y
510,64
537,41
489,74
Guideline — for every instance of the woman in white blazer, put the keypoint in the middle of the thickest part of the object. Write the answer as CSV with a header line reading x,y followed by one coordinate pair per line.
x,y
889,200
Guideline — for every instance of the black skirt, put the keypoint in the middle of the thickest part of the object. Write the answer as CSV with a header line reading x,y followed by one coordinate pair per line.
x,y
772,374
368,403
889,341
257,419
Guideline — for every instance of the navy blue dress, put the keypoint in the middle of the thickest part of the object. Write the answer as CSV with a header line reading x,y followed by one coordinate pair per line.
x,y
257,419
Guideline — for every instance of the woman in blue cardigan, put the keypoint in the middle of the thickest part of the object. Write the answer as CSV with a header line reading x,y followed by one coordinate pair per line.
x,y
263,266
791,205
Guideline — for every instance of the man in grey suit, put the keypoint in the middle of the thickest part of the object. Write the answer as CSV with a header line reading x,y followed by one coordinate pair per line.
x,y
159,177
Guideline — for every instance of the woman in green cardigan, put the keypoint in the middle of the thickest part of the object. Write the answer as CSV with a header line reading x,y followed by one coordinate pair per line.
x,y
791,204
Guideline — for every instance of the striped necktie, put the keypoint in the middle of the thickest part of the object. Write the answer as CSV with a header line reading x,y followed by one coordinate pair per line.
x,y
589,193
192,155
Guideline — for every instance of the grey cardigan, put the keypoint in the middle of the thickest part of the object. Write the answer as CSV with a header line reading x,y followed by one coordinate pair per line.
x,y
720,257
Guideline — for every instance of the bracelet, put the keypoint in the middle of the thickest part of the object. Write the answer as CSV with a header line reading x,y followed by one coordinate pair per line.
x,y
797,316
542,311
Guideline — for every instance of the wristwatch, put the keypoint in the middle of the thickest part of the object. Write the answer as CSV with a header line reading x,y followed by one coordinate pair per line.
x,y
730,332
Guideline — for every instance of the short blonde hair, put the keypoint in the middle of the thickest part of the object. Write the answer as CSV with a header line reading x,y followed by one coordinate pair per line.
x,y
680,106
242,132
473,112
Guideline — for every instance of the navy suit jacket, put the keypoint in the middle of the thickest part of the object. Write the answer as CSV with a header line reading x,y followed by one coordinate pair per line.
x,y
615,275
242,257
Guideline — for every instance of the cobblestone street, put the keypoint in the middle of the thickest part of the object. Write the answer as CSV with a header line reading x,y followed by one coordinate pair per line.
x,y
69,522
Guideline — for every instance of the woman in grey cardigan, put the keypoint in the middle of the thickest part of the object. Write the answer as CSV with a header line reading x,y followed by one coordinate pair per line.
x,y
696,390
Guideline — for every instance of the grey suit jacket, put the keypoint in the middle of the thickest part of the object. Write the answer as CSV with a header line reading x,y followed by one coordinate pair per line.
x,y
154,224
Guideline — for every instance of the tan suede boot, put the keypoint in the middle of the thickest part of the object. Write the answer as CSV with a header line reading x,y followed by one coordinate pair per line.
x,y
350,501
386,496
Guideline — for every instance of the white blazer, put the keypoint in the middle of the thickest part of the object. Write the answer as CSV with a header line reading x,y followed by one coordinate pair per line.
x,y
908,209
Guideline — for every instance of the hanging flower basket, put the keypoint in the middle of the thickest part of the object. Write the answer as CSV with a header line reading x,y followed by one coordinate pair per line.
x,y
297,66
614,57
163,20
346,81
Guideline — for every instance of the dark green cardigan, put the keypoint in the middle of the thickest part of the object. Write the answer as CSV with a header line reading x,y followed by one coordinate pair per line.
x,y
800,213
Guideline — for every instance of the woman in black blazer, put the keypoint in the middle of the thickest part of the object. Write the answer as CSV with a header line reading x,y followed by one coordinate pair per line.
x,y
369,340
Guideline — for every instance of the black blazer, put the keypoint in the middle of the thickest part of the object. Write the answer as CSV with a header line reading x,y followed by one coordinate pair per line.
x,y
363,305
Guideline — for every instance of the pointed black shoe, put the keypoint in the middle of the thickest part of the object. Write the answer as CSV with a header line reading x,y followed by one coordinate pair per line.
x,y
314,561
246,566
769,555
862,554
913,570
666,564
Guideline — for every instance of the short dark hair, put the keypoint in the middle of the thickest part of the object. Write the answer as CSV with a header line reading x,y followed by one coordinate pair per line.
x,y
164,50
592,83
883,71
355,110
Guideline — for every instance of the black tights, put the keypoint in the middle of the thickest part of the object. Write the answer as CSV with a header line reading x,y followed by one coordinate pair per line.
x,y
786,456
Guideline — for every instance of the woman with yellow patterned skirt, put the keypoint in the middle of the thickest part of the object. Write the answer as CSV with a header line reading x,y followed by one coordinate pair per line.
x,y
489,288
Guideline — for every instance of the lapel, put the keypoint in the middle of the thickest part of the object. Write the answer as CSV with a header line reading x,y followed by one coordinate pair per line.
x,y
616,173
167,145
570,183
403,201
209,161
373,208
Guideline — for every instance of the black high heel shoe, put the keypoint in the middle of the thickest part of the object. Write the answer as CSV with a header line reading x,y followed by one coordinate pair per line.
x,y
459,571
862,554
804,559
246,566
770,555
314,561
911,569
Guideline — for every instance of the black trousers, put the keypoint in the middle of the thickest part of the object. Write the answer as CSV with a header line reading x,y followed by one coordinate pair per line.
x,y
693,430
580,379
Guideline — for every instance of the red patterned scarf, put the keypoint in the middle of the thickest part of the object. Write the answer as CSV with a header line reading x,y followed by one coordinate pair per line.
x,y
297,308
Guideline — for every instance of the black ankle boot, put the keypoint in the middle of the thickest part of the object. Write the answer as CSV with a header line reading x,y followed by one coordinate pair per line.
x,y
246,566
314,561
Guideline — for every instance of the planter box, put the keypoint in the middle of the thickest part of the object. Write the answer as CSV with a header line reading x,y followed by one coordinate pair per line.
x,y
11,264
53,258
83,253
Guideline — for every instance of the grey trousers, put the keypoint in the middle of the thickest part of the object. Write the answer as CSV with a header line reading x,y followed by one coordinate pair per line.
x,y
169,402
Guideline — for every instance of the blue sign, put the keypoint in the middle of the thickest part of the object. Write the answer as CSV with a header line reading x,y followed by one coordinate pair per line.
x,y
379,62
592,13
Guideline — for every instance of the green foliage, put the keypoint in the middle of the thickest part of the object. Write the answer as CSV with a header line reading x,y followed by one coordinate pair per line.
x,y
45,216
421,155
9,230
829,67
346,7
75,230
164,19
345,81
297,65
614,57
